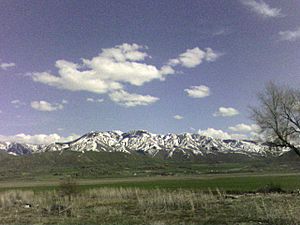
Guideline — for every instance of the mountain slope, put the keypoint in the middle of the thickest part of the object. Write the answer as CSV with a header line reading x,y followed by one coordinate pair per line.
x,y
181,146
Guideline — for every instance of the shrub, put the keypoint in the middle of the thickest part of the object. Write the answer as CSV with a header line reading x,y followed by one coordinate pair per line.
x,y
68,187
271,188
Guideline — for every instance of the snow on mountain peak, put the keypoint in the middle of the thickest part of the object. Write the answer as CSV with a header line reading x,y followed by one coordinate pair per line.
x,y
144,142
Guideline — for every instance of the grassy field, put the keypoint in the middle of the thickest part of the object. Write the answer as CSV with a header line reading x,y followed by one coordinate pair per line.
x,y
208,199
91,165
121,189
231,183
148,206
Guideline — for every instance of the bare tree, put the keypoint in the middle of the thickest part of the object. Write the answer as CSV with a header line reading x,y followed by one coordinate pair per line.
x,y
279,115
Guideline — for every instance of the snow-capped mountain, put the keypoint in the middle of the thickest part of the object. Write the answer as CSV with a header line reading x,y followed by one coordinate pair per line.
x,y
153,145
20,149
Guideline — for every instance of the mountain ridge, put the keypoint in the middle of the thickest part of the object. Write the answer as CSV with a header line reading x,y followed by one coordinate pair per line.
x,y
169,145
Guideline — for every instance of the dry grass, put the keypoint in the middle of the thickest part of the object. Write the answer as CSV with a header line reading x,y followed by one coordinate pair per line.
x,y
10,198
156,206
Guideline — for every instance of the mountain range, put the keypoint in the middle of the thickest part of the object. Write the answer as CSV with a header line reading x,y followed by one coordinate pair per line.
x,y
184,146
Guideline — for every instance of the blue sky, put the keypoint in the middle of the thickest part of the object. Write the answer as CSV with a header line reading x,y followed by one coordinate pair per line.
x,y
69,67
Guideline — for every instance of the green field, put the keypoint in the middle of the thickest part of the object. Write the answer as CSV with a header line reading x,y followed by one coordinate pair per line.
x,y
214,200
122,189
238,183
93,165
231,183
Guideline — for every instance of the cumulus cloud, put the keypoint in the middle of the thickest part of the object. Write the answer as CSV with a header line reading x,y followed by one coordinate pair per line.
x,y
17,103
211,55
201,91
290,35
72,78
46,106
126,99
226,112
6,66
263,9
38,138
240,132
211,132
115,67
131,72
220,134
245,128
178,117
193,57
99,100
107,72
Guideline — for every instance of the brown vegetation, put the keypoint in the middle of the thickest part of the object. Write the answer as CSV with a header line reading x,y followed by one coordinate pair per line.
x,y
140,206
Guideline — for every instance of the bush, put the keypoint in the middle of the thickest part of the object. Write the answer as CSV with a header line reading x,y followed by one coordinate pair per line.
x,y
271,188
68,187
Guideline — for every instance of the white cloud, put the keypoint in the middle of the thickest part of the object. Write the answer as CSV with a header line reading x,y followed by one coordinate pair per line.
x,y
226,112
245,128
262,8
17,103
124,52
99,100
211,132
211,55
193,57
178,117
240,137
5,66
38,138
134,73
130,100
71,78
214,133
241,132
290,35
0,111
46,106
106,72
198,91
222,31
113,68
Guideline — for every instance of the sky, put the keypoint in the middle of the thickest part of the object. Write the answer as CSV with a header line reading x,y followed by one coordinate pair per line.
x,y
71,67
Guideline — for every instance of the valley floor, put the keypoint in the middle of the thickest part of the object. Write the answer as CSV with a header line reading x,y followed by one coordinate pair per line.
x,y
244,199
237,183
